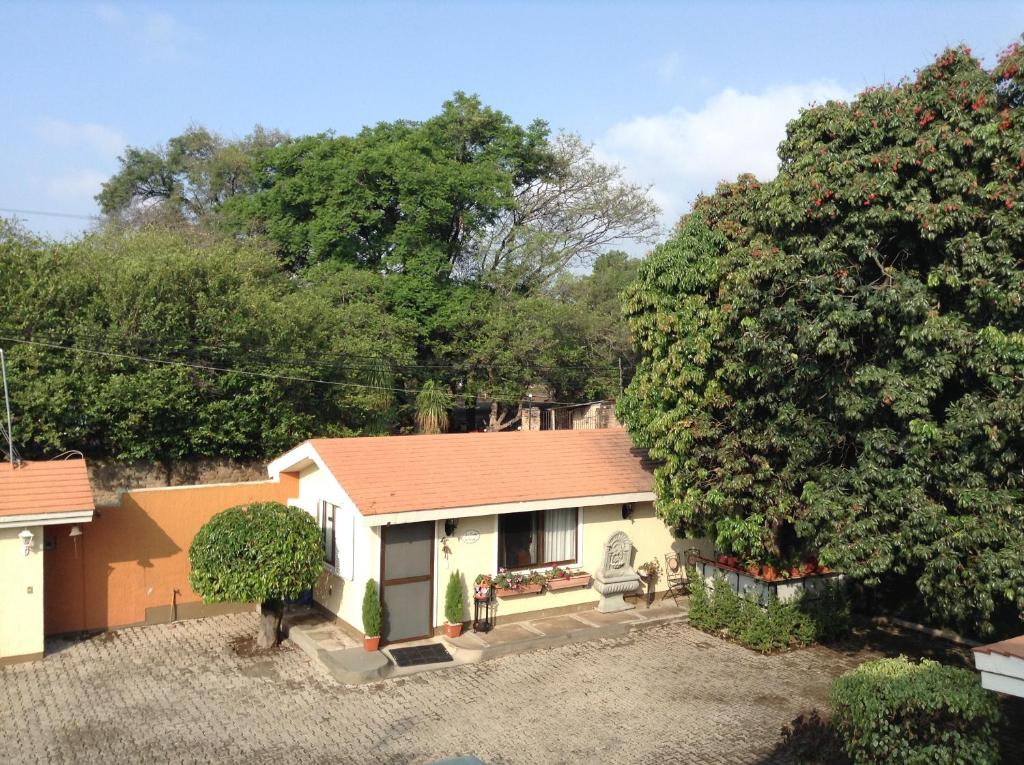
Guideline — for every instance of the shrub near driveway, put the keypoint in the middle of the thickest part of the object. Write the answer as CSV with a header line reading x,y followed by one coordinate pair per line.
x,y
897,712
773,626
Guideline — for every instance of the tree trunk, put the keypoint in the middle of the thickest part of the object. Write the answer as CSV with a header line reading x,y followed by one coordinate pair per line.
x,y
271,613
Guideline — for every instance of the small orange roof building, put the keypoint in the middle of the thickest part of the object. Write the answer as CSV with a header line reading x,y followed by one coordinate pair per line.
x,y
45,492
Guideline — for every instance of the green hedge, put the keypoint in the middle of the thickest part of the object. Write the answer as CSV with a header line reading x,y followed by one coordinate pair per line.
x,y
773,625
897,712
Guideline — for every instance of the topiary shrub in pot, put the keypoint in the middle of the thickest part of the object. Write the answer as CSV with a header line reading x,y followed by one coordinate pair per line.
x,y
371,616
897,712
454,606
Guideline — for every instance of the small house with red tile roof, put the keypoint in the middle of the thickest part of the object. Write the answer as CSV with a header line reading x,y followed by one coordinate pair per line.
x,y
407,511
1002,666
33,495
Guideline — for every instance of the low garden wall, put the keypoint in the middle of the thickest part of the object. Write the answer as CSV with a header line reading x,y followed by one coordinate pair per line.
x,y
130,564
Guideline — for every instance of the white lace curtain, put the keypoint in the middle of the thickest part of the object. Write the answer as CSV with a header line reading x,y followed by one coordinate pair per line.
x,y
560,535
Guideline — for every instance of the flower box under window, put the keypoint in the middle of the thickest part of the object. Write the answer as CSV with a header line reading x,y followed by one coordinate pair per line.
x,y
577,579
526,589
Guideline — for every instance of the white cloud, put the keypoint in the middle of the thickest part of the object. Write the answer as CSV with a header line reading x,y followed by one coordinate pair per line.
x,y
88,136
683,153
668,67
109,13
76,187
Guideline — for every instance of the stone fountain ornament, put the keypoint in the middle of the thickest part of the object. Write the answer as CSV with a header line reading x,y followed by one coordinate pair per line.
x,y
616,576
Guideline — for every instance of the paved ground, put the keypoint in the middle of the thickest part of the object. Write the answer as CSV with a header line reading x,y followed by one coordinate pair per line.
x,y
181,693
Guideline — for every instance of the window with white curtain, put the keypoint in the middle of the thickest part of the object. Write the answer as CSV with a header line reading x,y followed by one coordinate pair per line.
x,y
541,538
328,513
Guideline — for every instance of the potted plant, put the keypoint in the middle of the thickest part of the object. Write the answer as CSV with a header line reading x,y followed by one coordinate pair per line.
x,y
560,578
508,583
454,606
770,573
482,587
649,570
371,617
753,568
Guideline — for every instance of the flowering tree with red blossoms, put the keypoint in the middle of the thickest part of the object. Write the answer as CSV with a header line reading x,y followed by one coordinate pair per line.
x,y
837,355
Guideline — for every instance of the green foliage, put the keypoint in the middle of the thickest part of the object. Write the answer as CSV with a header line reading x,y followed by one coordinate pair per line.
x,y
184,297
841,349
187,179
371,610
255,553
432,405
454,603
770,626
895,711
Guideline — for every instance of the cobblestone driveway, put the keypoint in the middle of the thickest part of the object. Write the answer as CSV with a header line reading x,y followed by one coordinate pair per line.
x,y
179,693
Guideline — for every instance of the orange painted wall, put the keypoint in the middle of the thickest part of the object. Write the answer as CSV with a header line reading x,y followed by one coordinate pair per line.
x,y
134,555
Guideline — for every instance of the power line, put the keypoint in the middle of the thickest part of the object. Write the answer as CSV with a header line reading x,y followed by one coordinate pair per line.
x,y
230,370
80,216
368,363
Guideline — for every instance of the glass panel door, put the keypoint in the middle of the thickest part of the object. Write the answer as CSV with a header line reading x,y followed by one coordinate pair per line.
x,y
407,574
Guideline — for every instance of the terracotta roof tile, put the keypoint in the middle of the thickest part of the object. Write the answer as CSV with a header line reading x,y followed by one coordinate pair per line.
x,y
44,487
1013,647
394,474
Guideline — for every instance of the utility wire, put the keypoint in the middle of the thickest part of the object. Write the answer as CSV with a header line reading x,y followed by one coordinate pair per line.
x,y
80,216
369,363
230,370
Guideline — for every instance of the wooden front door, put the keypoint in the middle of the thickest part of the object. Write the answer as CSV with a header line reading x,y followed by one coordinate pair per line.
x,y
407,581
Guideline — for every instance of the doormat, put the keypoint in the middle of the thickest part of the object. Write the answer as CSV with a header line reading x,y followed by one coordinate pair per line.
x,y
431,653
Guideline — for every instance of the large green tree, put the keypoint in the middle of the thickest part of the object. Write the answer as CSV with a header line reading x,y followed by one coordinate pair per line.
x,y
81,313
839,353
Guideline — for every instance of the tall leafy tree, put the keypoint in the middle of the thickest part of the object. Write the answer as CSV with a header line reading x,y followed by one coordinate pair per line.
x,y
840,352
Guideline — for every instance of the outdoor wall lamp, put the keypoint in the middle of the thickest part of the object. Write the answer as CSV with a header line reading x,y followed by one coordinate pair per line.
x,y
26,538
449,526
627,511
76,531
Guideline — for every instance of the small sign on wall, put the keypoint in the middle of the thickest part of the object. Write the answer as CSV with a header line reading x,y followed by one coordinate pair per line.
x,y
470,536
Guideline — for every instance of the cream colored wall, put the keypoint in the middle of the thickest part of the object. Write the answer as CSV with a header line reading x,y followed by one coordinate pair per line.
x,y
651,538
21,611
342,595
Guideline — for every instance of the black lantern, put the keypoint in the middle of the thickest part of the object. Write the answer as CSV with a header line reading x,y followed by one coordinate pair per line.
x,y
449,526
627,511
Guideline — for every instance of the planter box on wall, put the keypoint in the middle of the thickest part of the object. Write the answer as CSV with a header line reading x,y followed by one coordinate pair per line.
x,y
568,583
527,589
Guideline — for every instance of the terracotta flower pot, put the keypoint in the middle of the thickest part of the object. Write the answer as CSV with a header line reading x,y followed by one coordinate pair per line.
x,y
732,561
371,643
452,630
723,559
754,570
770,573
795,572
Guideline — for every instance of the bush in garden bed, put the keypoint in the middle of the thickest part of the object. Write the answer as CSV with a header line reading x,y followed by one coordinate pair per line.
x,y
772,626
896,711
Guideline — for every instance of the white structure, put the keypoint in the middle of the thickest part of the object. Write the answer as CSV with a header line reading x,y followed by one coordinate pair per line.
x,y
1002,666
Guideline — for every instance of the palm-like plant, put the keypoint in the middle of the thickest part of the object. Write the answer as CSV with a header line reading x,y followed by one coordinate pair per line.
x,y
432,405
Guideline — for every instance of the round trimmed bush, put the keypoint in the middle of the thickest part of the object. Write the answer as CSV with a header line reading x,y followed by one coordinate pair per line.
x,y
897,712
263,552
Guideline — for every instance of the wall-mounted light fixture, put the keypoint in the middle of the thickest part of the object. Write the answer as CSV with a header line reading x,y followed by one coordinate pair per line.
x,y
627,511
26,538
449,526
76,531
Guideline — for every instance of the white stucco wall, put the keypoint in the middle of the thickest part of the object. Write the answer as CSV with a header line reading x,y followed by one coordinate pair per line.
x,y
340,589
21,595
651,538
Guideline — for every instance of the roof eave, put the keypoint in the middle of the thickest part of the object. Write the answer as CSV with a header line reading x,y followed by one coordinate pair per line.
x,y
83,515
441,513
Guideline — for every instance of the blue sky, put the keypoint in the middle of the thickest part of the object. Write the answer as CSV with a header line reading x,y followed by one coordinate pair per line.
x,y
681,94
